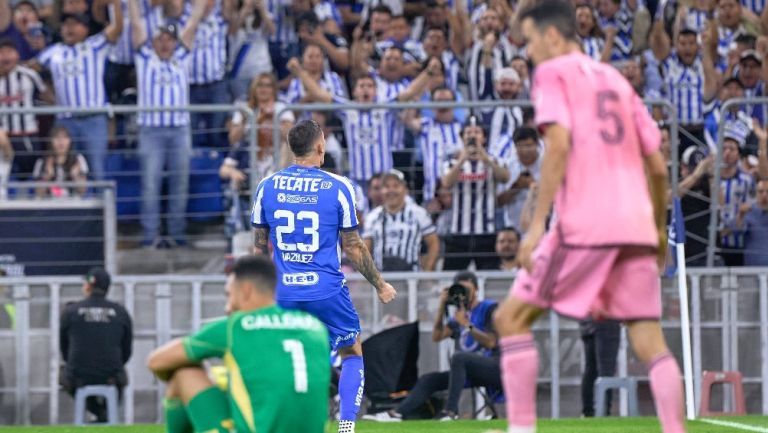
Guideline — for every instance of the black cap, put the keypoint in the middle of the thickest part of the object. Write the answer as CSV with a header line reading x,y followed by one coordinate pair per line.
x,y
465,276
8,43
99,279
169,29
83,19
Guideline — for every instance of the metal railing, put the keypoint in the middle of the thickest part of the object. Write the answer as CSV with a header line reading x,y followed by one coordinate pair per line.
x,y
521,103
728,307
715,204
111,110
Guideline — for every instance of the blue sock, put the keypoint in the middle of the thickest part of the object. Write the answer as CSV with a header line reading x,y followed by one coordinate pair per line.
x,y
351,385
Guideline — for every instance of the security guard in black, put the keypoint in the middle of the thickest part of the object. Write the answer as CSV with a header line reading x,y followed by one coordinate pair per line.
x,y
96,336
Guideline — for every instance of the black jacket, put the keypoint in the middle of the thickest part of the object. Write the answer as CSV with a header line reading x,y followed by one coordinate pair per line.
x,y
95,339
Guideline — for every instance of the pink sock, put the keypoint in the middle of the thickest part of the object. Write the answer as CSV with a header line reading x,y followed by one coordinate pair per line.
x,y
519,371
667,388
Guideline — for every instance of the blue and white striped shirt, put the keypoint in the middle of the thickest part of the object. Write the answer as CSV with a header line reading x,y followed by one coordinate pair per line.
x,y
452,67
437,142
696,20
152,15
481,79
757,110
78,71
623,20
162,83
593,47
738,122
122,51
504,121
388,91
330,81
327,10
683,87
503,149
370,150
726,37
208,62
285,28
755,6
736,191
413,50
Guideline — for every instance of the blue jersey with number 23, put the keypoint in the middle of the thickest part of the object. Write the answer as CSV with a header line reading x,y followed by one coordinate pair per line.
x,y
305,209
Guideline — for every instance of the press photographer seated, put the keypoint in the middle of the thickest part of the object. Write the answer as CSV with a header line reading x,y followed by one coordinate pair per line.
x,y
469,321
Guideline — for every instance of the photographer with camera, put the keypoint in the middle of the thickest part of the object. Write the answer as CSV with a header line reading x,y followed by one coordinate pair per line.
x,y
472,175
469,321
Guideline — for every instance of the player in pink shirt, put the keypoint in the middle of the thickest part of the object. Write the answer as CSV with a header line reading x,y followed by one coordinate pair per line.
x,y
602,255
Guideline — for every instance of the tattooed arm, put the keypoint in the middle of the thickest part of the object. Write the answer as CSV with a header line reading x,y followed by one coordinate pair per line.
x,y
261,240
361,259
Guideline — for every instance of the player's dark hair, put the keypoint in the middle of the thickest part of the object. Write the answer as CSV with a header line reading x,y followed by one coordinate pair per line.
x,y
466,276
310,44
473,121
437,29
362,78
376,176
746,39
443,89
511,229
525,133
258,270
382,9
553,13
303,136
394,48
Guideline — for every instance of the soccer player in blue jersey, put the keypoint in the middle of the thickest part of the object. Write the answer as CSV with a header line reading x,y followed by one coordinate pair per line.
x,y
306,212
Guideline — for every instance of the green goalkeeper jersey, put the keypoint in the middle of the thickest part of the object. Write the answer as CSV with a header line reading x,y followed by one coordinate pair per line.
x,y
278,366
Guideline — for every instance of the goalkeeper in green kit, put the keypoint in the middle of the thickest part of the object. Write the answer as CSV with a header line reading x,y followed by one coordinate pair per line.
x,y
277,364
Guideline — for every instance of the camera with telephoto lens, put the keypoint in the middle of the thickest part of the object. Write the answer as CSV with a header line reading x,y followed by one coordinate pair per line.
x,y
458,295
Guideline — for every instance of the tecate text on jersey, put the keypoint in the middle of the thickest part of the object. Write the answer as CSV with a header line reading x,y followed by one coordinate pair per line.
x,y
300,184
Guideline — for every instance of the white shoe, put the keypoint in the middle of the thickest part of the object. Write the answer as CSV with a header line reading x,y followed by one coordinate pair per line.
x,y
382,417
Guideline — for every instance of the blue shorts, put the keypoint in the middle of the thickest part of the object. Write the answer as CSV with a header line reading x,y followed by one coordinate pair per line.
x,y
336,312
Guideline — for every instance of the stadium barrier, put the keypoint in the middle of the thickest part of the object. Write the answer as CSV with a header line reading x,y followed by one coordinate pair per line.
x,y
712,244
65,235
729,310
207,192
472,107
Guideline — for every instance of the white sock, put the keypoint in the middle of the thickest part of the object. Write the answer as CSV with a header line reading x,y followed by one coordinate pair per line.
x,y
346,427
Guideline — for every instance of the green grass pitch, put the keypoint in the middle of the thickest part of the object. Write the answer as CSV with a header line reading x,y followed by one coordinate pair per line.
x,y
609,425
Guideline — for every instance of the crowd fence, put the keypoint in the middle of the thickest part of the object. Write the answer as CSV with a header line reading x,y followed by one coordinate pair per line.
x,y
729,326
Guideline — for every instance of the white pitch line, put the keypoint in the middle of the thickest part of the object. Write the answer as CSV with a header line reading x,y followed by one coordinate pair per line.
x,y
735,425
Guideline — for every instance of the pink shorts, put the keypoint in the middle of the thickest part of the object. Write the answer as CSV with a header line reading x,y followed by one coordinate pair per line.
x,y
614,282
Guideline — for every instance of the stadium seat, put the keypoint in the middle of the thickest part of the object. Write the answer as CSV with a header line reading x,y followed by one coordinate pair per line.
x,y
735,379
604,384
483,399
108,392
206,195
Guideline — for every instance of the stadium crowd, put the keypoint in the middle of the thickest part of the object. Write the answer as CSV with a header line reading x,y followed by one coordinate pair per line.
x,y
462,175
